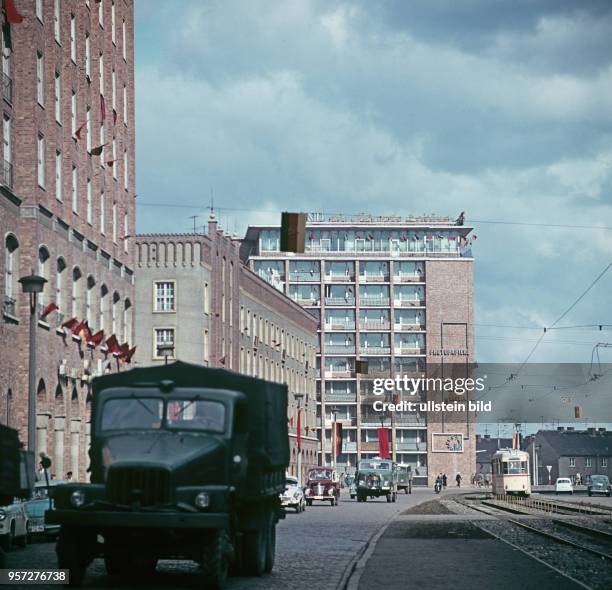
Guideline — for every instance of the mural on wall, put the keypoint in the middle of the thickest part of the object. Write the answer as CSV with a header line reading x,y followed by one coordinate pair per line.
x,y
444,442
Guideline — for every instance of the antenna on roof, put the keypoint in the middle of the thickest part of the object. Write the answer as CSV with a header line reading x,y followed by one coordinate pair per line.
x,y
194,217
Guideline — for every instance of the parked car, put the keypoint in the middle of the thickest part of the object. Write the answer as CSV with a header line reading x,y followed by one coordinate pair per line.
x,y
598,484
322,485
293,496
36,507
13,525
563,485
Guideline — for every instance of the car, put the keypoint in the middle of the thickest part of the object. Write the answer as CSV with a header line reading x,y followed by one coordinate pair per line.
x,y
599,484
564,485
322,485
293,496
13,525
36,507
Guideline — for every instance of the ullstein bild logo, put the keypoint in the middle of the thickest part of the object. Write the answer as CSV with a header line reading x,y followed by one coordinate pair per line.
x,y
449,352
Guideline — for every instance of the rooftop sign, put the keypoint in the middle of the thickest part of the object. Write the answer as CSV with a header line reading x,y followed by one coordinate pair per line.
x,y
369,218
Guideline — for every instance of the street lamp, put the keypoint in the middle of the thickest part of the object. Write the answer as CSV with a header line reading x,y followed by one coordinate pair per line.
x,y
166,350
299,397
32,285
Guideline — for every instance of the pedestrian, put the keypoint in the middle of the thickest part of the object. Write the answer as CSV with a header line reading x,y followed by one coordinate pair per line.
x,y
444,480
578,479
458,480
409,480
438,484
69,476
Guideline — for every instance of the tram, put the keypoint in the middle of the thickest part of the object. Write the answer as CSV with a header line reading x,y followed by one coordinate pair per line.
x,y
510,468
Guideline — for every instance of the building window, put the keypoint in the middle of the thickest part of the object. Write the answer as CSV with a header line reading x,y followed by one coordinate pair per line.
x,y
113,35
88,57
73,112
125,104
125,171
73,37
604,461
75,189
88,128
206,346
101,72
206,299
102,143
59,285
127,320
123,40
103,306
58,97
165,296
114,89
11,270
39,10
7,143
101,13
76,295
40,78
43,271
126,232
41,160
89,302
572,461
163,336
114,158
89,203
58,176
114,222
57,16
102,214
587,461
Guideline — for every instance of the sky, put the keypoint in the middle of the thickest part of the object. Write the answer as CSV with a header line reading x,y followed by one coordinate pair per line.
x,y
499,109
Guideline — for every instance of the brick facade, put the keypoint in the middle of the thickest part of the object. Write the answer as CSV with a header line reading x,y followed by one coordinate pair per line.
x,y
85,256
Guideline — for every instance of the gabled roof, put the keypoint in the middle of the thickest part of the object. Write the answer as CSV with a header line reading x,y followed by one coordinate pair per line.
x,y
578,443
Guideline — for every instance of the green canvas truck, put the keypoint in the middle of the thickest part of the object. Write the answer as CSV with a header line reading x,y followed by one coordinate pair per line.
x,y
376,478
187,462
404,478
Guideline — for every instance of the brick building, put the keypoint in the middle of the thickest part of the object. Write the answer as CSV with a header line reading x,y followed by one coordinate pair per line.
x,y
194,293
394,292
66,209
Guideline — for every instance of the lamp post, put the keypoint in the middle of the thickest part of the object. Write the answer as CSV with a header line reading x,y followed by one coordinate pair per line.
x,y
32,285
166,350
334,411
299,397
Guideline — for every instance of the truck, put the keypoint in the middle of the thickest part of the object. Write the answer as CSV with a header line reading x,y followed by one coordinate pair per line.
x,y
186,462
376,478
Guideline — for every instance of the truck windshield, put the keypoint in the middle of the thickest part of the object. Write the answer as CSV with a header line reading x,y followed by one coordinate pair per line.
x,y
135,413
196,415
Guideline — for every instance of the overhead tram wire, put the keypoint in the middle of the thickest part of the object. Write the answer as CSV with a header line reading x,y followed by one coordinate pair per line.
x,y
252,210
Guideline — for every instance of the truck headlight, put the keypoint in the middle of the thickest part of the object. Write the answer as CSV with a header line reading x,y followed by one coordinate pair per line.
x,y
77,498
308,491
330,492
202,500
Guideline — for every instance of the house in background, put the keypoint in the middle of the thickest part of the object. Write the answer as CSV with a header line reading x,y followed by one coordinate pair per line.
x,y
486,447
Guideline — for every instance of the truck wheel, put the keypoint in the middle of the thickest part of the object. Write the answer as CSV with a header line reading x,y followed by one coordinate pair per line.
x,y
215,563
270,545
7,542
254,552
394,498
388,497
70,555
117,564
405,490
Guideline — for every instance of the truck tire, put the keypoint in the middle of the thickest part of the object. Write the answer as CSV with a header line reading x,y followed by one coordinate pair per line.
x,y
254,552
270,545
215,562
70,555
117,564
388,497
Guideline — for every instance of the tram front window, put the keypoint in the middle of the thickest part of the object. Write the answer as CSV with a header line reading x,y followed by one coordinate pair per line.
x,y
515,467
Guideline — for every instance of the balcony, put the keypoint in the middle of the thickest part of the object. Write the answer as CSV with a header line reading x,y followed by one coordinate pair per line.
x,y
411,446
305,301
408,302
374,301
374,278
343,421
408,350
410,419
339,301
374,350
339,277
378,372
339,348
10,306
304,277
7,88
339,374
374,325
408,278
341,325
340,397
370,446
7,178
348,446
409,327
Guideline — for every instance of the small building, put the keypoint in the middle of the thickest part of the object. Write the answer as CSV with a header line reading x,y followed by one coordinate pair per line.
x,y
566,452
199,300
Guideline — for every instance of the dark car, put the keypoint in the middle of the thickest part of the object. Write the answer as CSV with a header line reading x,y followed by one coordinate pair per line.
x,y
322,485
599,484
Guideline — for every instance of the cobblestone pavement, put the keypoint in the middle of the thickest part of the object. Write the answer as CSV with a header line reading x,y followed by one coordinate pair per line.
x,y
313,549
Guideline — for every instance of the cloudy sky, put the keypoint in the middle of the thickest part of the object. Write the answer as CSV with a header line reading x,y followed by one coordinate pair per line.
x,y
502,109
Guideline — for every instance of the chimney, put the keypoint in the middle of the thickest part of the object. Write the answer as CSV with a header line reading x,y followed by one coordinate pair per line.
x,y
560,428
212,225
570,428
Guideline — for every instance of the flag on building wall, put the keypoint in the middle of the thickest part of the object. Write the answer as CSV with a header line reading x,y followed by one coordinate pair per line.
x,y
47,310
69,324
12,16
129,355
114,117
77,133
383,443
97,151
299,430
97,338
338,449
102,108
113,345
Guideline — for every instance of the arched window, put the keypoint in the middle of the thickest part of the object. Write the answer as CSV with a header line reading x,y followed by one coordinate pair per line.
x,y
103,307
9,406
90,303
43,271
127,320
76,292
11,271
41,391
59,288
116,300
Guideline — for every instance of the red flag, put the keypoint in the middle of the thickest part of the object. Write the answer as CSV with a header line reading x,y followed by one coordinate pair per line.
x,y
97,151
129,355
102,108
12,16
338,448
222,360
113,345
123,350
97,338
111,162
77,327
77,133
383,443
71,323
299,430
83,331
47,310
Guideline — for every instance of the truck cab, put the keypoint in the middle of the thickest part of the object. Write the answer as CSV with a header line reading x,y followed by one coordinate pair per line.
x,y
377,478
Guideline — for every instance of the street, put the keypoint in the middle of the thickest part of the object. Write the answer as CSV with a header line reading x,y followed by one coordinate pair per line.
x,y
313,549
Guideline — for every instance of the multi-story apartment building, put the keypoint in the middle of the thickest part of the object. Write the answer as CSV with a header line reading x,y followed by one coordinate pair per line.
x,y
395,292
194,294
66,209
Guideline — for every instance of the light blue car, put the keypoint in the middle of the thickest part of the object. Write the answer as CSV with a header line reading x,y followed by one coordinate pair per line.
x,y
36,507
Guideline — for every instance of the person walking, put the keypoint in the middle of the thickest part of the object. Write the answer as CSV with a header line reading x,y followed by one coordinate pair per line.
x,y
444,480
458,480
438,484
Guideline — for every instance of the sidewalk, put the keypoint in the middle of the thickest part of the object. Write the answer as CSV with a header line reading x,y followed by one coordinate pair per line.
x,y
437,552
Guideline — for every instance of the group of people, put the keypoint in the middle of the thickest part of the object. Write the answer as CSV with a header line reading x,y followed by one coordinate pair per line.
x,y
442,480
